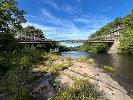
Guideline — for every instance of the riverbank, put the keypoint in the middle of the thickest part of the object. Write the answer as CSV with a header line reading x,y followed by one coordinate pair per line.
x,y
53,74
121,62
103,83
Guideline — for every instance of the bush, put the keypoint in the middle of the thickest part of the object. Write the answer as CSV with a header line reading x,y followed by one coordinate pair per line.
x,y
18,65
82,59
108,69
68,58
58,67
95,48
81,90
12,83
126,46
26,56
90,61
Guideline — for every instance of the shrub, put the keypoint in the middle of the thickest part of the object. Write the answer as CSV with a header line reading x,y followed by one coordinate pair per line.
x,y
90,61
18,66
108,69
69,63
12,83
68,58
82,59
81,90
58,67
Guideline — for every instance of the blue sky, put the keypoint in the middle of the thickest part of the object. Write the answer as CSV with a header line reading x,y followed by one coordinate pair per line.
x,y
72,19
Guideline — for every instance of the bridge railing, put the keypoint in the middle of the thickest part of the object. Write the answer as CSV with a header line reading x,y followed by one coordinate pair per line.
x,y
110,37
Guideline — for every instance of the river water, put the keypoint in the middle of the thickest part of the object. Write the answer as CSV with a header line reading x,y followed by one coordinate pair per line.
x,y
122,63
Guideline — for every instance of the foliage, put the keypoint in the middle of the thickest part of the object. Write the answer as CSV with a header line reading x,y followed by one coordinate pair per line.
x,y
108,69
63,48
126,42
77,48
18,72
25,56
12,83
128,20
95,48
10,22
31,30
82,59
68,58
69,63
90,61
57,67
80,90
126,45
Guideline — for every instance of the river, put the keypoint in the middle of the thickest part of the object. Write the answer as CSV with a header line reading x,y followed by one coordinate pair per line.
x,y
122,63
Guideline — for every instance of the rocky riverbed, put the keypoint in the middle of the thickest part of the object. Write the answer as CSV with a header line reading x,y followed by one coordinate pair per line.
x,y
110,89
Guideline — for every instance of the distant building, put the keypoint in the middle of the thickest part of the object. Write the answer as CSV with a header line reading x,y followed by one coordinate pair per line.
x,y
54,50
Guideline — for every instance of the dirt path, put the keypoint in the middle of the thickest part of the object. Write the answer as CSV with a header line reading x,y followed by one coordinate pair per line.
x,y
110,88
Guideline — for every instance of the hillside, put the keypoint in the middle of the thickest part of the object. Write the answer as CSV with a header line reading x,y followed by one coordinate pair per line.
x,y
126,46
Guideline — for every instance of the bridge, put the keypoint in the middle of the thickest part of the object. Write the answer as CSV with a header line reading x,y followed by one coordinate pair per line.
x,y
110,38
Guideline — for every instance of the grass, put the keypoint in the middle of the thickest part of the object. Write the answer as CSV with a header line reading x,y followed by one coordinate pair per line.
x,y
82,59
68,58
24,66
54,68
18,71
90,61
108,69
80,90
53,57
58,67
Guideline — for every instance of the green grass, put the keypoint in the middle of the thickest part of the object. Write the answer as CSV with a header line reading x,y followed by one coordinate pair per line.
x,y
57,67
18,71
68,58
82,59
90,61
80,90
108,69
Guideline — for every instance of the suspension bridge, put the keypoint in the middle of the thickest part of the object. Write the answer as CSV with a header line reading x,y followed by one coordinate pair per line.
x,y
110,38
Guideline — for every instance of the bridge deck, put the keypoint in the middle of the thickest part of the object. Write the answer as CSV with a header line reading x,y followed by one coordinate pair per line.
x,y
43,42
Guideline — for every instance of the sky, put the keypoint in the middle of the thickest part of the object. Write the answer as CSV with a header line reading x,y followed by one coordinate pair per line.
x,y
72,19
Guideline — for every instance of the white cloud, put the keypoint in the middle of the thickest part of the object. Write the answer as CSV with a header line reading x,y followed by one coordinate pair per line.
x,y
57,33
30,16
71,9
58,21
42,27
53,4
65,8
87,19
60,28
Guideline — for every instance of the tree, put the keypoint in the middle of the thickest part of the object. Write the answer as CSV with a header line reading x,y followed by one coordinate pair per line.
x,y
31,30
118,21
11,18
126,45
126,42
128,20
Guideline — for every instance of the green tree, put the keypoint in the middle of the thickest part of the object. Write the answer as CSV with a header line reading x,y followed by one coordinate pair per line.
x,y
11,18
126,45
126,42
128,20
118,21
31,30
95,48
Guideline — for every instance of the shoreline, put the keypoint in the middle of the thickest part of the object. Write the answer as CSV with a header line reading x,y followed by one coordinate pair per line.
x,y
83,70
65,71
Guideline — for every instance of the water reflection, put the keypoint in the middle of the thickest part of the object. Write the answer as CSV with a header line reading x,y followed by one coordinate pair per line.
x,y
75,54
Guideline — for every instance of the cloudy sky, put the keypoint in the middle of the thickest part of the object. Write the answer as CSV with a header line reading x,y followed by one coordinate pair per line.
x,y
72,19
